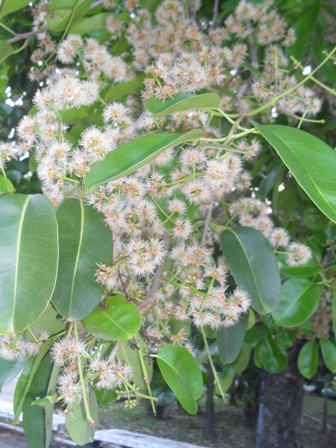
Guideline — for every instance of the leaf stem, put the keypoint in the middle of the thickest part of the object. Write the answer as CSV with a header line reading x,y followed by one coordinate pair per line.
x,y
212,364
82,383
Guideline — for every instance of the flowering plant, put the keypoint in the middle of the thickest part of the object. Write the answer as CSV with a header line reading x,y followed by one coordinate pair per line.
x,y
153,225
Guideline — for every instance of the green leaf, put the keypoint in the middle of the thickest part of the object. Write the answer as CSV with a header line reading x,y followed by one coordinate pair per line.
x,y
314,219
334,313
181,103
77,425
9,6
272,356
6,185
310,160
308,359
63,13
230,340
116,319
132,356
182,374
37,421
308,270
89,24
84,241
253,265
243,358
298,300
5,50
133,155
9,370
106,396
26,378
304,28
125,88
226,379
29,256
255,334
328,354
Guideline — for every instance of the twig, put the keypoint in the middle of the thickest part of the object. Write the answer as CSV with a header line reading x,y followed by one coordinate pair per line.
x,y
95,4
215,13
23,36
147,304
207,224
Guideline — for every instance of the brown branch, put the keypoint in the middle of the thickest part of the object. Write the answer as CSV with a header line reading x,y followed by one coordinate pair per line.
x,y
215,13
27,35
150,301
206,224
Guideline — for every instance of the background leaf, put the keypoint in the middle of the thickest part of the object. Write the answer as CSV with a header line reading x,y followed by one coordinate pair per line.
x,y
76,422
133,155
6,185
272,355
253,266
230,340
181,103
298,300
84,241
29,256
116,319
328,354
182,374
131,355
311,161
308,359
37,421
9,370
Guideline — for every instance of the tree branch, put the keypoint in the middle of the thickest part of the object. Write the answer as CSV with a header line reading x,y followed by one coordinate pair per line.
x,y
215,12
27,35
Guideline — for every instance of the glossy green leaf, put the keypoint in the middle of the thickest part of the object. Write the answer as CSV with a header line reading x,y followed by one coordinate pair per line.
x,y
5,50
298,300
6,185
308,359
230,340
135,356
308,270
9,6
182,374
253,265
26,378
106,396
64,13
9,370
89,24
311,161
181,103
77,425
273,356
328,350
116,319
84,241
133,155
226,379
29,256
243,358
125,88
255,334
37,421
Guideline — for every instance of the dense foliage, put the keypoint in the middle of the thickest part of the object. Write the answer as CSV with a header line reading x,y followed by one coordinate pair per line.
x,y
168,198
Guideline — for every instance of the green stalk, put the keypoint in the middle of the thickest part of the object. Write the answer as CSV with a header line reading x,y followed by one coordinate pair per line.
x,y
82,383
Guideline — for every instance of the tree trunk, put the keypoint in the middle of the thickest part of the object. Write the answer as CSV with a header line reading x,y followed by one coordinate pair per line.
x,y
208,432
280,406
